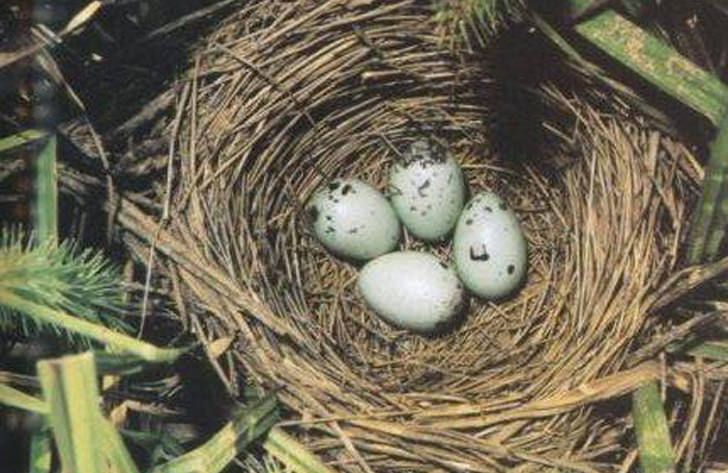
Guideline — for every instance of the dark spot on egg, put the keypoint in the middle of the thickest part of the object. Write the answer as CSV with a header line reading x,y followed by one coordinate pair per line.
x,y
483,256
429,206
469,206
413,208
423,213
346,189
330,230
354,231
502,206
313,213
488,209
334,185
469,221
336,201
329,218
422,187
511,269
443,265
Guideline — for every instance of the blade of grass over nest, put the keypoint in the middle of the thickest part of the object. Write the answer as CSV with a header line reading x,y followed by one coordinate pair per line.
x,y
45,182
41,451
213,456
18,399
653,436
708,227
292,454
591,70
655,61
69,385
20,139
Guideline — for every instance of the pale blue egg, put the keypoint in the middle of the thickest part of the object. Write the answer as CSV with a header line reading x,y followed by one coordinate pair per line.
x,y
353,220
412,290
489,247
427,190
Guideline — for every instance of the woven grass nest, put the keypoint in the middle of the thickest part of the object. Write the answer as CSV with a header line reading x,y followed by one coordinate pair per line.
x,y
286,95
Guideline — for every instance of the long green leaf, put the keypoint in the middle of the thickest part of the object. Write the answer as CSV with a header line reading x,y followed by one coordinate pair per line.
x,y
655,61
118,363
41,451
19,139
214,455
69,386
708,227
143,350
116,455
45,182
653,436
292,454
15,398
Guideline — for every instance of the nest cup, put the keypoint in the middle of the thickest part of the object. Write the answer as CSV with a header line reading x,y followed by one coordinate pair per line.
x,y
287,95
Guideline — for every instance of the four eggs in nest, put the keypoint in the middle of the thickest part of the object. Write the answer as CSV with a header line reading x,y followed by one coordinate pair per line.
x,y
410,289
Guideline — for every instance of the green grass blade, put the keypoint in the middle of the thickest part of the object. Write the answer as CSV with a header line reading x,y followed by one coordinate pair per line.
x,y
708,226
292,454
653,436
45,204
69,385
116,454
118,363
18,399
119,341
214,455
41,451
20,139
655,61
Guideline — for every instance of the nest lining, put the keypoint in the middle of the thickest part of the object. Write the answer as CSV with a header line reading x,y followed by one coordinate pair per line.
x,y
287,95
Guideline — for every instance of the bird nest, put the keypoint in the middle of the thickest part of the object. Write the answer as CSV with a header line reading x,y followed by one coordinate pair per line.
x,y
284,96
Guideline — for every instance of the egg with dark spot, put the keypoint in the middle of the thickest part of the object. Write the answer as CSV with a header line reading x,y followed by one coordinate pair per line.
x,y
489,247
428,177
359,222
412,290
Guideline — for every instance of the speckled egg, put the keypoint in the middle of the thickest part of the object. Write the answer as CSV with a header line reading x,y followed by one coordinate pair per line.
x,y
353,220
489,247
412,290
427,190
